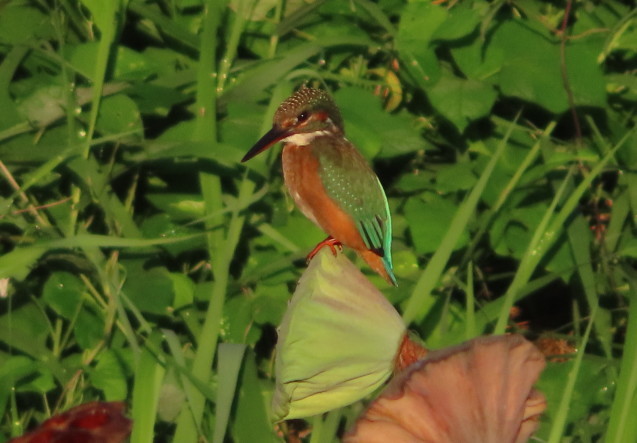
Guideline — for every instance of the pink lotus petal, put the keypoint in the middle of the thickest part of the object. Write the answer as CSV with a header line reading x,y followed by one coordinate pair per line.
x,y
479,391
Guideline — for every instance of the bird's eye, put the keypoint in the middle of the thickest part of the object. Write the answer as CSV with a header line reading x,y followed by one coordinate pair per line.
x,y
302,116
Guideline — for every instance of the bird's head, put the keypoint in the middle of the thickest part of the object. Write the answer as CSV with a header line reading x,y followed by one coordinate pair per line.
x,y
308,111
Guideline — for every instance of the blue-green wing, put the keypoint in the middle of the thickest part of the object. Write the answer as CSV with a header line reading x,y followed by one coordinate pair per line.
x,y
353,185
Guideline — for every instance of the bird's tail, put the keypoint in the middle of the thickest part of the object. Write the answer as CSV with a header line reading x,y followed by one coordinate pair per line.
x,y
381,265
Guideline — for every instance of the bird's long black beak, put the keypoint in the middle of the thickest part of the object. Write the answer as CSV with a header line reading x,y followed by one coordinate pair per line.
x,y
267,141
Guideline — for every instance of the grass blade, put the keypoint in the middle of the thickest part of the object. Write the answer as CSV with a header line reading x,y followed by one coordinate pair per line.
x,y
229,366
148,377
547,232
622,426
561,415
420,300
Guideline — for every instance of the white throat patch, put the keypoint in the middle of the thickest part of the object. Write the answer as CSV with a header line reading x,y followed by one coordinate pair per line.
x,y
304,138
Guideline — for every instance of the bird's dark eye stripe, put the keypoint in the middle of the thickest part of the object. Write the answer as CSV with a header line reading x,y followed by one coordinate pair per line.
x,y
302,116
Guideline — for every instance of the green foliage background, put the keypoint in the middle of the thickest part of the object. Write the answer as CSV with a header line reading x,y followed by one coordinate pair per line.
x,y
142,262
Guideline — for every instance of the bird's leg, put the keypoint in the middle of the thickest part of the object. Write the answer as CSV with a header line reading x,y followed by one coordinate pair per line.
x,y
329,241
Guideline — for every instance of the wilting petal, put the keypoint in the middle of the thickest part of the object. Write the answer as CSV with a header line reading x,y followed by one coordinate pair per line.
x,y
95,422
480,391
337,342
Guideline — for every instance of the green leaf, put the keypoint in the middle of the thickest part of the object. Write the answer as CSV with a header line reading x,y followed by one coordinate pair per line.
x,y
20,24
269,307
530,68
88,329
26,329
153,99
40,382
134,66
462,101
585,76
628,248
429,221
530,58
104,13
25,147
17,264
183,288
456,177
242,125
119,115
237,323
63,293
418,24
109,376
374,131
461,22
151,290
470,59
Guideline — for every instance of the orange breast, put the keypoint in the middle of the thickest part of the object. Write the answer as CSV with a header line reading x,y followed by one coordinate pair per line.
x,y
300,170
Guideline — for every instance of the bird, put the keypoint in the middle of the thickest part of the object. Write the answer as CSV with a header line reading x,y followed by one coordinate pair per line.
x,y
329,179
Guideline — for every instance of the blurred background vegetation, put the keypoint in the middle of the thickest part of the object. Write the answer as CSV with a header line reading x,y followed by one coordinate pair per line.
x,y
140,261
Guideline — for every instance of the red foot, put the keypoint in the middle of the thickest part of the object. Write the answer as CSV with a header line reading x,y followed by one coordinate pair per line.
x,y
329,241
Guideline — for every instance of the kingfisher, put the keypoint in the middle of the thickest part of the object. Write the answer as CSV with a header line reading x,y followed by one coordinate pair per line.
x,y
330,181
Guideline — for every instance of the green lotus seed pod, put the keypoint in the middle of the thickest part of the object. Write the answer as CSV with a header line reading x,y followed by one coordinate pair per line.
x,y
338,340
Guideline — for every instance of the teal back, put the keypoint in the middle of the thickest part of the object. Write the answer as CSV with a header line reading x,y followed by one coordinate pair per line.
x,y
355,188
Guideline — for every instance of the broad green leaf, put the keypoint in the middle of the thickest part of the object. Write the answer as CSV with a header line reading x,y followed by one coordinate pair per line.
x,y
41,382
242,125
374,131
153,99
18,263
88,329
21,24
26,148
462,101
269,306
109,376
237,324
151,290
183,288
255,10
418,24
63,293
428,222
104,13
119,115
456,177
530,59
470,59
26,329
131,65
461,22
405,263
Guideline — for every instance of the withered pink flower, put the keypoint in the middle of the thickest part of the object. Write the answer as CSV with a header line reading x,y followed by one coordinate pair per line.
x,y
95,422
480,392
